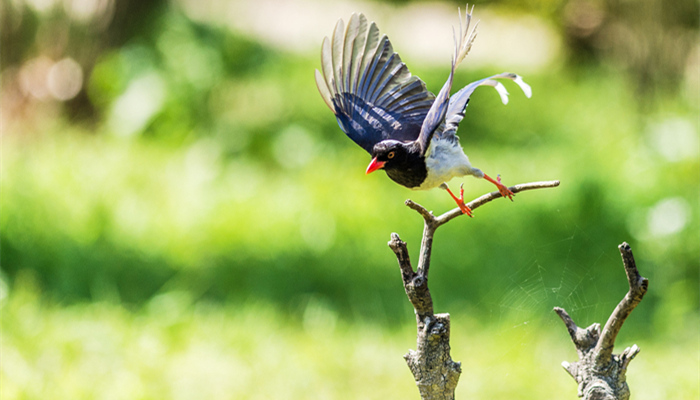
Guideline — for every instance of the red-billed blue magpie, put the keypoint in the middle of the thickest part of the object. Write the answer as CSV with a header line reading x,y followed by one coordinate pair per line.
x,y
408,131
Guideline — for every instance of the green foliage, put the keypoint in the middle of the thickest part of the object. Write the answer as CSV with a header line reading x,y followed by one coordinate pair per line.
x,y
274,212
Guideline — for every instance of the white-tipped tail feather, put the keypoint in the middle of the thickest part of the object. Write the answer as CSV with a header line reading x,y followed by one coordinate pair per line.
x,y
524,86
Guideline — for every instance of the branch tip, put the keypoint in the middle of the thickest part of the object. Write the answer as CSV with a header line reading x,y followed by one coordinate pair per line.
x,y
395,240
628,355
565,317
569,368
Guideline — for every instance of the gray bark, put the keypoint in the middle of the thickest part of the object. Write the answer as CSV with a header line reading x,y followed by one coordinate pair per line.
x,y
601,375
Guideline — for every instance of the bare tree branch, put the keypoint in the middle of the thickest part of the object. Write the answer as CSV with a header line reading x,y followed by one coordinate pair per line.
x,y
415,284
431,222
476,203
638,287
582,338
435,373
601,375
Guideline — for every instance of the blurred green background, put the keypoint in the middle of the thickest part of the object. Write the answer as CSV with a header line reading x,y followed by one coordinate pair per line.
x,y
182,218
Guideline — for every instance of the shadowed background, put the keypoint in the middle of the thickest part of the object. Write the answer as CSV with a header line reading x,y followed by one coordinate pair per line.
x,y
183,218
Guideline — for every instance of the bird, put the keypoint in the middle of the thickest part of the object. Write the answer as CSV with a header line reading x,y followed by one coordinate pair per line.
x,y
408,131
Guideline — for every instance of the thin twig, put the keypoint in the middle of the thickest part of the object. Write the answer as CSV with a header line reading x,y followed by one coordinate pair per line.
x,y
431,222
476,203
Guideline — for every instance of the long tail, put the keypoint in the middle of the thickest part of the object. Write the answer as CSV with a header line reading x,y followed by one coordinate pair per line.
x,y
459,101
439,110
466,37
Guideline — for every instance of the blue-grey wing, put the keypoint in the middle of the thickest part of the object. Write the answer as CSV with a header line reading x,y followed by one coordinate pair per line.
x,y
459,101
372,93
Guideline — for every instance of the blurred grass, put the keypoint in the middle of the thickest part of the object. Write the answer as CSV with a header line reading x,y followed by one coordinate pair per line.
x,y
177,348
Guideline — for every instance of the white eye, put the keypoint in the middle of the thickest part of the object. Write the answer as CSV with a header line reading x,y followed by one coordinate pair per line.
x,y
390,155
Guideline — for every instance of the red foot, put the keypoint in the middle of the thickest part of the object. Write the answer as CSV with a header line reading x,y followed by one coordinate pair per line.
x,y
505,192
460,201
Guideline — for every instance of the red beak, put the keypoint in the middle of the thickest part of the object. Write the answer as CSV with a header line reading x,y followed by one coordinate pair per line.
x,y
375,165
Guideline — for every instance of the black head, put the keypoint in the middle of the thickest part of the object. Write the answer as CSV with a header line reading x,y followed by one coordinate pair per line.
x,y
403,162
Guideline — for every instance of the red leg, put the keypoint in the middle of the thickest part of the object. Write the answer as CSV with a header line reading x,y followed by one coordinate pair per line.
x,y
505,192
460,201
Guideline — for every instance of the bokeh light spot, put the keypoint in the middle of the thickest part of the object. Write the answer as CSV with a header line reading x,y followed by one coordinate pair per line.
x,y
668,216
294,147
675,139
33,75
64,79
137,105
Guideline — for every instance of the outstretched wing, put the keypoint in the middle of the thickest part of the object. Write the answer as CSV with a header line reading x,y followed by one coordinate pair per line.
x,y
371,92
447,112
459,101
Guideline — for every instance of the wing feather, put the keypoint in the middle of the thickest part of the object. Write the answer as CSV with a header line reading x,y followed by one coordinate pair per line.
x,y
378,67
375,97
327,63
323,89
358,51
386,85
368,87
458,102
372,43
379,82
350,36
396,93
337,53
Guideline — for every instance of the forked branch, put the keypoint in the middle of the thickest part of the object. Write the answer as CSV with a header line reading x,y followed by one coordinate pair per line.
x,y
435,373
601,375
431,222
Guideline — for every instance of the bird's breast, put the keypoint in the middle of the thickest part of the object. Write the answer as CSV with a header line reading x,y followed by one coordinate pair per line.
x,y
444,160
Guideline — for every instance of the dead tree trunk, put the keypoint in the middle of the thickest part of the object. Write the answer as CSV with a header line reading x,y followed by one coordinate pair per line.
x,y
435,373
601,375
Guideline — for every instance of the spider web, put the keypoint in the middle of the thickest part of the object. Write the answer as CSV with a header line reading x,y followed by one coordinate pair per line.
x,y
534,285
524,299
